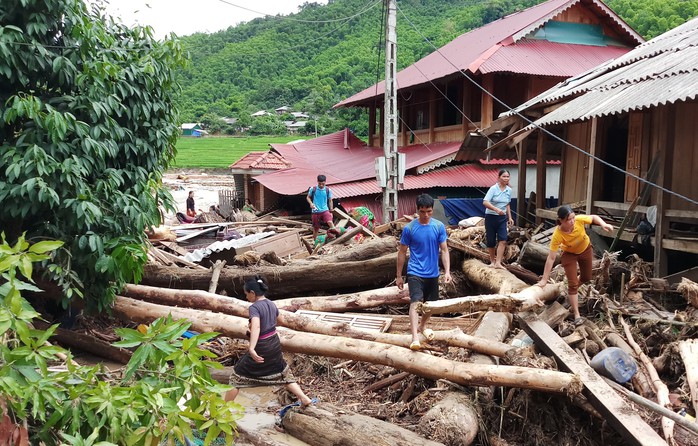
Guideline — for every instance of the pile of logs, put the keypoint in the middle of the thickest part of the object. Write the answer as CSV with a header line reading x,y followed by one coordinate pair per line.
x,y
518,327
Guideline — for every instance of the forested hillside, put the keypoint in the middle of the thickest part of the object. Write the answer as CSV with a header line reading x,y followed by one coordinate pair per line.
x,y
324,53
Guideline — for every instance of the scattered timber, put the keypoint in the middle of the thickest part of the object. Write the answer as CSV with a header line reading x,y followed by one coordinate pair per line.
x,y
239,308
421,364
605,400
528,298
296,279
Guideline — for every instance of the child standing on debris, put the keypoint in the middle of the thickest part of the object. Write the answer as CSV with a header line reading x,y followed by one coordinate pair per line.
x,y
571,237
426,238
497,216
320,200
263,364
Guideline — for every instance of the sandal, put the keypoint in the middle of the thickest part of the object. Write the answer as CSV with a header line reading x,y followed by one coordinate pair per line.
x,y
415,346
428,333
579,321
285,409
313,401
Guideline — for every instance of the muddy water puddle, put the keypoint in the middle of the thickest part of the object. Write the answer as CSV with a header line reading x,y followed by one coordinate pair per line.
x,y
261,405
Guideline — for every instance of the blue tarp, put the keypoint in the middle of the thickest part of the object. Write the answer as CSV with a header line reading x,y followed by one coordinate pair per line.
x,y
457,209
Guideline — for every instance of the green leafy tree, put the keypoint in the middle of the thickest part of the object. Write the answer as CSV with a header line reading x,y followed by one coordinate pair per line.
x,y
87,126
166,387
267,125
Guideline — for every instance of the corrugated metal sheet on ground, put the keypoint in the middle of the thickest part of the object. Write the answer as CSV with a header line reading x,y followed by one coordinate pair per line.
x,y
200,254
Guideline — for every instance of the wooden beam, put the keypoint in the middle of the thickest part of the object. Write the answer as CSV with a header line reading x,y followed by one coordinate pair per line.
x,y
196,234
615,410
541,171
667,243
690,274
661,267
487,104
371,125
521,186
432,116
591,180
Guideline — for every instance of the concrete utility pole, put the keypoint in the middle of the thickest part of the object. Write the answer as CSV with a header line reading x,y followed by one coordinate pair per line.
x,y
390,117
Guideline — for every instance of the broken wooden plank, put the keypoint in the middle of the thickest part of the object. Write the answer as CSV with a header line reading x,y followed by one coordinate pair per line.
x,y
628,423
365,322
344,215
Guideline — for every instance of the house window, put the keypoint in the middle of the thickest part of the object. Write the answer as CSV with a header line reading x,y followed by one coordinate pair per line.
x,y
421,120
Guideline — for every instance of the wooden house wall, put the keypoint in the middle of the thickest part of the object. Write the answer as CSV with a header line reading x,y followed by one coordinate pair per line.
x,y
575,165
685,158
581,14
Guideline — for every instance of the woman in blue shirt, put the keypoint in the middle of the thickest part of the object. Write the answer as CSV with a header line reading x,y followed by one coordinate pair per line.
x,y
497,216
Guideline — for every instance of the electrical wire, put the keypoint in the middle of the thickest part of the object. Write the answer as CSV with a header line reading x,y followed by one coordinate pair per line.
x,y
293,19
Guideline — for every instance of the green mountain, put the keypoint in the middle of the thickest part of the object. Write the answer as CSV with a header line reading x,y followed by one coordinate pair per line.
x,y
324,53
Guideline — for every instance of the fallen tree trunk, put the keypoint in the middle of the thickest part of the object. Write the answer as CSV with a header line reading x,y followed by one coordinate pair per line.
x,y
297,278
528,298
533,256
88,344
688,349
369,249
452,421
494,327
422,364
236,307
494,280
328,425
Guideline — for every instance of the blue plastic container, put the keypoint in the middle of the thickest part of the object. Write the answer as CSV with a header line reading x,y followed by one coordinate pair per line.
x,y
614,363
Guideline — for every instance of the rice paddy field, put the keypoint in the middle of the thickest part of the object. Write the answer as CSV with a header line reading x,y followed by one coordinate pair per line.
x,y
214,152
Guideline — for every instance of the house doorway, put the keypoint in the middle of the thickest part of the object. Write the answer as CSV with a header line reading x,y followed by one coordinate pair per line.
x,y
616,154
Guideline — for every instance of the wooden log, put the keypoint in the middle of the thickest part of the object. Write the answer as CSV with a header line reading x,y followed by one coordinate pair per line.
x,y
385,382
531,297
493,280
452,421
553,315
340,303
369,249
688,349
328,425
422,364
297,278
660,388
240,308
86,343
533,256
522,273
344,237
493,327
215,275
468,250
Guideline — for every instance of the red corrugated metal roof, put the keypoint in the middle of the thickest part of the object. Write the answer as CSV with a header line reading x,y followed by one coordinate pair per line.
x,y
466,175
342,158
261,160
476,46
540,57
515,161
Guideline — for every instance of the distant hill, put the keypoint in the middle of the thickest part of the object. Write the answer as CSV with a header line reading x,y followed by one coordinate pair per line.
x,y
324,53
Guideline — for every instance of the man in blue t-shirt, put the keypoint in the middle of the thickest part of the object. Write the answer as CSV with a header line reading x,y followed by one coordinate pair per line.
x,y
320,200
426,239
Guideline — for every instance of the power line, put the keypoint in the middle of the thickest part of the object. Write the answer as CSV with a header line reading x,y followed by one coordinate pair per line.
x,y
531,123
293,19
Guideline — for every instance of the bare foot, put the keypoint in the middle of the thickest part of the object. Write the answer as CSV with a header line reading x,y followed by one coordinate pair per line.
x,y
498,266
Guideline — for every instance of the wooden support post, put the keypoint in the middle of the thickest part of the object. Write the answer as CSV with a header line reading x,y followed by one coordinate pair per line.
x,y
432,116
591,193
371,125
628,423
487,107
465,108
665,167
521,186
541,170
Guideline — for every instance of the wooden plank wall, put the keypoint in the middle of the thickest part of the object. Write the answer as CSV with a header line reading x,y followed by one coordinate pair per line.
x,y
573,178
685,160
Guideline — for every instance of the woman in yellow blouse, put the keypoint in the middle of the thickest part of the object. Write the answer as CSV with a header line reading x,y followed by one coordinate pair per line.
x,y
570,236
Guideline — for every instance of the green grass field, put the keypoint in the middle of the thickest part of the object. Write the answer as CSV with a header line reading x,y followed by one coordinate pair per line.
x,y
214,152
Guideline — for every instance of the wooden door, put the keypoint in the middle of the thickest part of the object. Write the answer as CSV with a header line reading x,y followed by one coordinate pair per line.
x,y
634,160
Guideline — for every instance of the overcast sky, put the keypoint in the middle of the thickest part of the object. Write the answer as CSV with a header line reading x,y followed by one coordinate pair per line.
x,y
185,17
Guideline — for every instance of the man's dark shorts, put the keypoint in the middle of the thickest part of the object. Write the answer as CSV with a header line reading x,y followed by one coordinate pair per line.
x,y
422,289
321,217
495,229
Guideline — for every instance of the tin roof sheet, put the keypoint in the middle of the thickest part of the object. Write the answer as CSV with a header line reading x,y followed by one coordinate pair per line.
x,y
661,71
